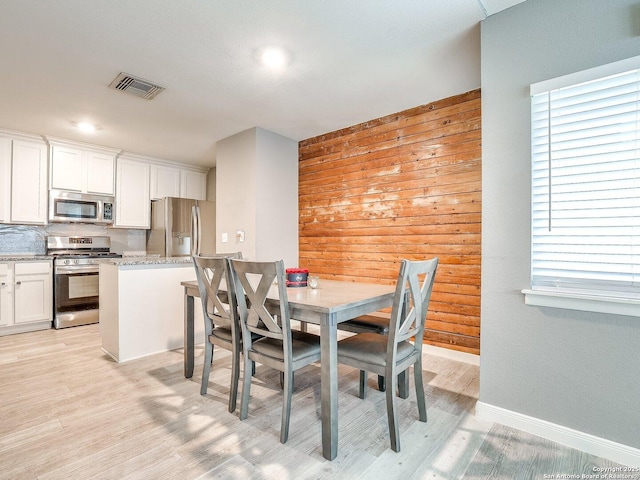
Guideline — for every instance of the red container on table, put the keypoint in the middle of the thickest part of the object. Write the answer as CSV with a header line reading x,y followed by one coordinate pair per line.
x,y
297,277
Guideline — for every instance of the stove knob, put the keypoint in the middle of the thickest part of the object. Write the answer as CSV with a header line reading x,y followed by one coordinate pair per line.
x,y
67,262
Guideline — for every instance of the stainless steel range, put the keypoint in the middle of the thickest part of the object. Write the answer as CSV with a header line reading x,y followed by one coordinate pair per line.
x,y
76,278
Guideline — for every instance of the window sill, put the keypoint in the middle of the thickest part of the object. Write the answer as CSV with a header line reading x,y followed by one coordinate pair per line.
x,y
584,303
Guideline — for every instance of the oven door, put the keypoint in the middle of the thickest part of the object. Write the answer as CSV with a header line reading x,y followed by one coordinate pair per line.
x,y
76,293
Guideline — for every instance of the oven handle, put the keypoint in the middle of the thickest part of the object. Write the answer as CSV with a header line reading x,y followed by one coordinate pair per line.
x,y
73,269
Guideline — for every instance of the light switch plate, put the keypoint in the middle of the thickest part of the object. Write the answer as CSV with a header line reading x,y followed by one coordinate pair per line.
x,y
225,237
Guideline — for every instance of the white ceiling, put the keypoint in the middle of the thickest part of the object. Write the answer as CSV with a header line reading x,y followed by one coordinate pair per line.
x,y
351,61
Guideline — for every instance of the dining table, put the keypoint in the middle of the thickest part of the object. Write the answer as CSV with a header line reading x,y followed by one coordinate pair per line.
x,y
328,305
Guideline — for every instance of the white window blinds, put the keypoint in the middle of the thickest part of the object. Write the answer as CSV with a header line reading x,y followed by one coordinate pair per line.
x,y
586,187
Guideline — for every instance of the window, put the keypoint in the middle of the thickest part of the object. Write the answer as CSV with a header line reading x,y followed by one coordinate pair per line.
x,y
585,144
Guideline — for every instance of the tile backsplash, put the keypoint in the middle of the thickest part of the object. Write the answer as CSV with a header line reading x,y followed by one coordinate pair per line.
x,y
30,240
21,239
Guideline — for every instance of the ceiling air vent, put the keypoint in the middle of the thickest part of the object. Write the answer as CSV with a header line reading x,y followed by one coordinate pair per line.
x,y
136,86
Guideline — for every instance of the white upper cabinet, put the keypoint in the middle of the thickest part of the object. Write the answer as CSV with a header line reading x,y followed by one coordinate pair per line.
x,y
133,203
23,179
28,169
193,185
134,191
5,179
174,181
67,168
100,173
82,168
165,181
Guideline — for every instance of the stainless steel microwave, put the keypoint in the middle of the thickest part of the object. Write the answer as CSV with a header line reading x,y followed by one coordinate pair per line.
x,y
76,207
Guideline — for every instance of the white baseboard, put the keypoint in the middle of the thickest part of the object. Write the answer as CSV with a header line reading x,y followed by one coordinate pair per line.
x,y
585,442
451,354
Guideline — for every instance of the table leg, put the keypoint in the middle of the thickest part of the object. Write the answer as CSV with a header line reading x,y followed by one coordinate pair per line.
x,y
188,335
329,389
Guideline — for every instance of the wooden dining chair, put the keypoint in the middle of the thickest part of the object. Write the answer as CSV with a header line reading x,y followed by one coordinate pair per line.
x,y
372,323
394,353
282,348
221,319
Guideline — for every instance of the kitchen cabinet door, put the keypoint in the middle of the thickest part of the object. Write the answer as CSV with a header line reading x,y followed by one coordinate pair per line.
x,y
33,298
29,182
165,181
193,185
5,180
82,170
67,168
6,295
133,203
100,169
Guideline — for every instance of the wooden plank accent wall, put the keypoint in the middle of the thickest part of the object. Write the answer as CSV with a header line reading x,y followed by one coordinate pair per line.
x,y
406,185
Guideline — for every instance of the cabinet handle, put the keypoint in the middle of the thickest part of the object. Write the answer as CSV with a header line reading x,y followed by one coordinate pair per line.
x,y
18,283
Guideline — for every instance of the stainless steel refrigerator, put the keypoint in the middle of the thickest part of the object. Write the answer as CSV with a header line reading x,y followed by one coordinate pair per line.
x,y
182,227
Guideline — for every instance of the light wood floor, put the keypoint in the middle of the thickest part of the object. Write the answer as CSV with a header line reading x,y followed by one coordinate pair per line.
x,y
67,411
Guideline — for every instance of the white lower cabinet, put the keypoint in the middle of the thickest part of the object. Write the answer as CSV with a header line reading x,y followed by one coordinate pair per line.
x,y
6,295
26,296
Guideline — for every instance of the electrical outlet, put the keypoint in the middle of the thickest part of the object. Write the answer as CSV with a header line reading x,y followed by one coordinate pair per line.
x,y
240,236
225,237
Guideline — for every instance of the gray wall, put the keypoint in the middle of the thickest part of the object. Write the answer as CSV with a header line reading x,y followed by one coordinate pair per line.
x,y
277,200
235,197
575,369
257,192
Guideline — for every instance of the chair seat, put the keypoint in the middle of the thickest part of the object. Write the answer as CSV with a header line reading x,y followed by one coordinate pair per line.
x,y
366,324
222,333
303,345
370,348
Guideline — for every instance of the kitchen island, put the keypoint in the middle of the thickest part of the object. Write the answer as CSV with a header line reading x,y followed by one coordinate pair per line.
x,y
142,305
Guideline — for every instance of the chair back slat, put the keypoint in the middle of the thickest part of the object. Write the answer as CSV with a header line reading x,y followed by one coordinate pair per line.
x,y
411,302
256,279
210,270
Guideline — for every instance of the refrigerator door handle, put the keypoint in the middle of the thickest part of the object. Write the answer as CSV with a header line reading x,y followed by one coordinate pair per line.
x,y
195,230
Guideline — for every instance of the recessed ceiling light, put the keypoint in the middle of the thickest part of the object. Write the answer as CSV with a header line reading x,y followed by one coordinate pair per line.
x,y
274,58
86,127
